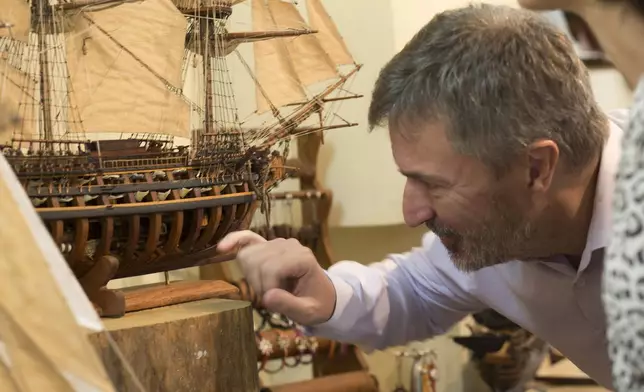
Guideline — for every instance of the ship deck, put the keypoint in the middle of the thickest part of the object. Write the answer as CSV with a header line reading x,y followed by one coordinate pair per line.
x,y
143,208
115,189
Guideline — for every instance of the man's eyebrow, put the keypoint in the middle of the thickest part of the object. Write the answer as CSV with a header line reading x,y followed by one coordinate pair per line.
x,y
428,178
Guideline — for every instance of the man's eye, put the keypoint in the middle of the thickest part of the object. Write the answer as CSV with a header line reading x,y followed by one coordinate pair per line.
x,y
426,183
430,185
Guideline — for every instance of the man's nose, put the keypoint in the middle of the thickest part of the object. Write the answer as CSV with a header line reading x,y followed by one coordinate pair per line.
x,y
417,207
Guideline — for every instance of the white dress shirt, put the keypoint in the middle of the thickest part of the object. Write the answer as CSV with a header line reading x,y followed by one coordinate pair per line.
x,y
421,294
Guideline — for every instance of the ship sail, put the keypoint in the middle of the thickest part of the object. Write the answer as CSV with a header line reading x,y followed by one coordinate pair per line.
x,y
125,65
19,96
274,70
121,67
15,18
328,33
287,68
17,88
312,64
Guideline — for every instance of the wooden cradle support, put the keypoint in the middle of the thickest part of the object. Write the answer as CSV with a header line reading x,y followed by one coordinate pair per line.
x,y
115,303
157,295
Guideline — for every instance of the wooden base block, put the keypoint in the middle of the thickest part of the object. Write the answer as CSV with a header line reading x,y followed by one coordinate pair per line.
x,y
204,346
161,294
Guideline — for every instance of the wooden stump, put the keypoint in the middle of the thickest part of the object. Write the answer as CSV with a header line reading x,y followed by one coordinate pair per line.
x,y
204,346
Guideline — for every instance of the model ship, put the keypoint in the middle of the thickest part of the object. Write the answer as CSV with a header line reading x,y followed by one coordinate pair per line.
x,y
506,356
182,170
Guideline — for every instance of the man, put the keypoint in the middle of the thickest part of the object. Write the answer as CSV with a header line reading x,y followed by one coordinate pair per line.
x,y
509,162
619,27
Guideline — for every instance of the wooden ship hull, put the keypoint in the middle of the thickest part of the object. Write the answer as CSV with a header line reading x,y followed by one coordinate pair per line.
x,y
152,210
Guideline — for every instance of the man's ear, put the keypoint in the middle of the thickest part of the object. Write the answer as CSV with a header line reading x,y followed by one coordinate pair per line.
x,y
543,156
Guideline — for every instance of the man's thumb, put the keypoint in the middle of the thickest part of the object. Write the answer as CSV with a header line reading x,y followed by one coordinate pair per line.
x,y
300,310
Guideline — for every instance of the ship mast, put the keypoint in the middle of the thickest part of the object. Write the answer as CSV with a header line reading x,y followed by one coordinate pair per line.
x,y
206,25
44,15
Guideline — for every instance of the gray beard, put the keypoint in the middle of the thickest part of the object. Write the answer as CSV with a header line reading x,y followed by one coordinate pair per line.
x,y
500,239
489,248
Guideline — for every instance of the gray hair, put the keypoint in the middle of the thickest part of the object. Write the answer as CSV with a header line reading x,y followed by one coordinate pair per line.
x,y
499,79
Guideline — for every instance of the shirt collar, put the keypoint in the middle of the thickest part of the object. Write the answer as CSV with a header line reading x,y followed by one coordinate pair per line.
x,y
599,231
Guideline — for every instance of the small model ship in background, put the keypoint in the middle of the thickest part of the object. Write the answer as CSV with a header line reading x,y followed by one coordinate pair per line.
x,y
506,356
129,142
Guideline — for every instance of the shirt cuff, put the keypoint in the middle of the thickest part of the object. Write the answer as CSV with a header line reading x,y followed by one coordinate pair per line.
x,y
343,294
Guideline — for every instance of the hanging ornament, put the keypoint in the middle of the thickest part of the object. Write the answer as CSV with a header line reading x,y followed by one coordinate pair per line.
x,y
399,363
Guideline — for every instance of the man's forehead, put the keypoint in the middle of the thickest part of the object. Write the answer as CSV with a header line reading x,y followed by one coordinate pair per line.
x,y
414,129
424,142
428,155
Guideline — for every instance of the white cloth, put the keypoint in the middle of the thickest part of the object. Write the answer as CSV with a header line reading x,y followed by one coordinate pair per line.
x,y
421,294
624,273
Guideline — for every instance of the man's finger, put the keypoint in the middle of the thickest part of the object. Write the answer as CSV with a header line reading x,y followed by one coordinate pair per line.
x,y
239,239
253,261
295,308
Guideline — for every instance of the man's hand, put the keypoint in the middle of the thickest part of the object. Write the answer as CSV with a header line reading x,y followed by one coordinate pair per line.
x,y
285,275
